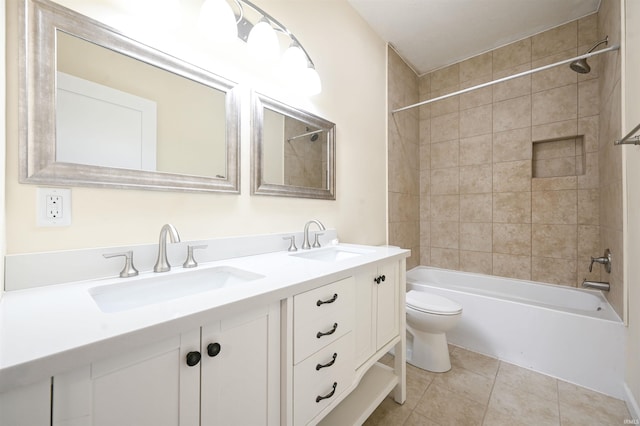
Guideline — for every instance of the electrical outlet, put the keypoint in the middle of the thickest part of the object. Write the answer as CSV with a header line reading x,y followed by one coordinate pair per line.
x,y
53,207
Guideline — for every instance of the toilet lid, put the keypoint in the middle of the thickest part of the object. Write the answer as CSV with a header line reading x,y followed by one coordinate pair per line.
x,y
432,303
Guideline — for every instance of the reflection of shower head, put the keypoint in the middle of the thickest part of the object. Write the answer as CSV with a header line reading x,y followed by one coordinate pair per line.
x,y
581,66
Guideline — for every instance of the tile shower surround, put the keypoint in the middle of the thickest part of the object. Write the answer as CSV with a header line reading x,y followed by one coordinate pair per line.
x,y
479,208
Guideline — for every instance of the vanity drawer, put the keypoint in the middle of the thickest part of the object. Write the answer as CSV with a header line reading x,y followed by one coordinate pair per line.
x,y
312,381
321,316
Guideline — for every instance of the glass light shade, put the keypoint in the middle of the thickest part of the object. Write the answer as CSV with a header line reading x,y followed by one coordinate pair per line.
x,y
311,83
263,42
294,59
217,22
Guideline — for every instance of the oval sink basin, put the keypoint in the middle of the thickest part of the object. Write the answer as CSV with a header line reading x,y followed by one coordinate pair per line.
x,y
161,288
332,254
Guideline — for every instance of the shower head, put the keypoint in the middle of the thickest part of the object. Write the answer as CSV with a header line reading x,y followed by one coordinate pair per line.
x,y
581,66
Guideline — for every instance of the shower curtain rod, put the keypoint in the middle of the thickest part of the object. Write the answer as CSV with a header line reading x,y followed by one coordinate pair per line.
x,y
511,77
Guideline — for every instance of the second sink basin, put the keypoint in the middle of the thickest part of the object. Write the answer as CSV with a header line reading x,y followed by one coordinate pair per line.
x,y
161,288
332,254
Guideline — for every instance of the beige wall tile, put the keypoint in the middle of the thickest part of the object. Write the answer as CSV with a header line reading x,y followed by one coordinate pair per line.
x,y
445,154
588,128
425,236
512,238
554,207
475,207
512,145
512,114
554,183
554,41
589,207
476,97
556,241
445,106
445,235
512,266
476,179
475,150
477,262
591,178
513,88
553,105
556,76
425,183
553,271
445,258
588,98
512,176
425,156
444,181
512,207
445,208
560,129
445,78
445,127
588,246
588,30
477,67
476,236
475,121
512,55
554,167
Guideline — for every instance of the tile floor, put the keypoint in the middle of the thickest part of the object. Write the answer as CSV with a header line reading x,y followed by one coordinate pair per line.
x,y
479,390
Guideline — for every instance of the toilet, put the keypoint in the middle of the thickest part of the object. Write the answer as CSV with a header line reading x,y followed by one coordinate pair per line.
x,y
429,317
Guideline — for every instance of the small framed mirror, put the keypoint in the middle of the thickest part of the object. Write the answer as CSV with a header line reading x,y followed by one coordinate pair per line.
x,y
101,109
293,152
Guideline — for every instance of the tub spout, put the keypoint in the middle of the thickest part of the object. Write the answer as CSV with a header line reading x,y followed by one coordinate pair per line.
x,y
598,285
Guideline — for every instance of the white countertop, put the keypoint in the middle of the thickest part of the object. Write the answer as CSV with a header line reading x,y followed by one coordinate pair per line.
x,y
47,330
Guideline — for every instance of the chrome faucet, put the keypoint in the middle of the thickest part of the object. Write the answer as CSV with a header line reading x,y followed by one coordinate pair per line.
x,y
162,265
604,260
305,242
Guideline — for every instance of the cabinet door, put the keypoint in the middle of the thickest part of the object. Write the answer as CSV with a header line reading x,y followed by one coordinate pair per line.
x,y
241,370
136,388
387,304
365,322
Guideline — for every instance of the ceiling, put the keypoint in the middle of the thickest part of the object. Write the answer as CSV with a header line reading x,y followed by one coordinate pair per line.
x,y
431,34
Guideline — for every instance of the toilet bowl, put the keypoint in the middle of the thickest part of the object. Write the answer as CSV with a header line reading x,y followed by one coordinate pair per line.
x,y
429,317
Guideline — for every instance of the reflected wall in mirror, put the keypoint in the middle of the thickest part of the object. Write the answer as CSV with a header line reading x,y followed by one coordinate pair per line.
x,y
101,109
293,151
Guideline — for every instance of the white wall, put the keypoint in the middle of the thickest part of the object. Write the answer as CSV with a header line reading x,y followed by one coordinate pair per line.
x,y
631,155
351,61
2,145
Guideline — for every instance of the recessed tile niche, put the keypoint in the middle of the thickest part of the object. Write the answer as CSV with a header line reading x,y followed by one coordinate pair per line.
x,y
558,157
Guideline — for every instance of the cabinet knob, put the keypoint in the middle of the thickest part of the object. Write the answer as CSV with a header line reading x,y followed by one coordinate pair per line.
x,y
213,349
193,358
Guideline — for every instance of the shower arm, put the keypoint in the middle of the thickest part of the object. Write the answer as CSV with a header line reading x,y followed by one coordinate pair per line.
x,y
511,77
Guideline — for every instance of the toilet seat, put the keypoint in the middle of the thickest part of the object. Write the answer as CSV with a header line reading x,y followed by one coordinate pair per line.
x,y
432,303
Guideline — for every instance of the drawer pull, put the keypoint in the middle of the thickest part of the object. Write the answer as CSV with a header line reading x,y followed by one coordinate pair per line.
x,y
329,364
329,395
322,302
333,330
379,279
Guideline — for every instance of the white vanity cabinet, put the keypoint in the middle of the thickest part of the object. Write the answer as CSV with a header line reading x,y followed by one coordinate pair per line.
x,y
200,377
377,308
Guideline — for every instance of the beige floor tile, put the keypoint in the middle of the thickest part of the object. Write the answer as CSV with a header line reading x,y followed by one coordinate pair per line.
x,y
580,406
416,419
465,383
509,405
535,383
472,361
448,408
389,413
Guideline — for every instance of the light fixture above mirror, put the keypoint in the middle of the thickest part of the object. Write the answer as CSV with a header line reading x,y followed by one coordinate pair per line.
x,y
218,22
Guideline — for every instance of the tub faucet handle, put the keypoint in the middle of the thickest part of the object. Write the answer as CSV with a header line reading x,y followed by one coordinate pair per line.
x,y
604,260
129,270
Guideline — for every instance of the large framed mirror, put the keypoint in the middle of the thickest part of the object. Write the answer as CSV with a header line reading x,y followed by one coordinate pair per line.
x,y
293,151
101,109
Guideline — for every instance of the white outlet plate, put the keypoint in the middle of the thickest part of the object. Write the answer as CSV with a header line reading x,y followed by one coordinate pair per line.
x,y
53,207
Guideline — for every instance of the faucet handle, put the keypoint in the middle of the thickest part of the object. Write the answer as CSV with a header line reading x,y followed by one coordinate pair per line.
x,y
316,242
191,261
292,246
129,270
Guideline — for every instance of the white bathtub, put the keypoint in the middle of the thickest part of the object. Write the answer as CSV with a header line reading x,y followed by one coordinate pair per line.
x,y
571,334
